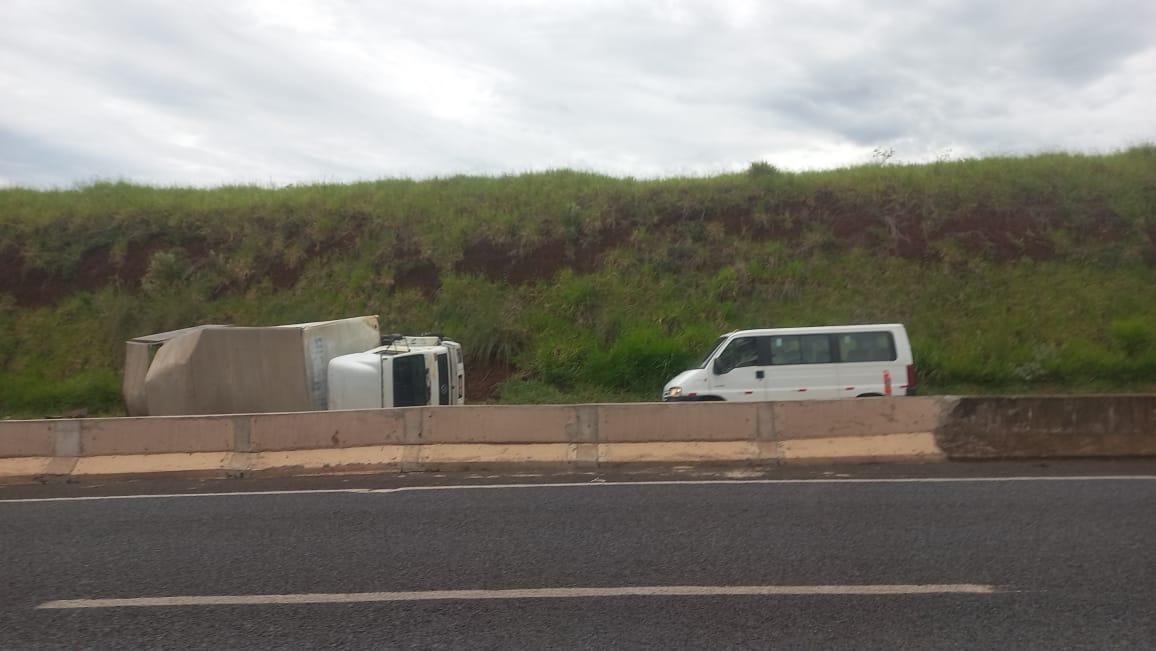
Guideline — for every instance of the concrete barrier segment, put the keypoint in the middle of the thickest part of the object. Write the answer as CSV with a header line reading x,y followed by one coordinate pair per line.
x,y
865,417
326,429
154,435
500,424
242,433
1049,426
688,421
414,419
66,438
585,425
765,422
26,438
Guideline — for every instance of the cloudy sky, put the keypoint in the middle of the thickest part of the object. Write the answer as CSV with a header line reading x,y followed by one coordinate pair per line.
x,y
282,91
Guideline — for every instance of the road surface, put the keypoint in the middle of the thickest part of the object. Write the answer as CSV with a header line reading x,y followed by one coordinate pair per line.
x,y
990,556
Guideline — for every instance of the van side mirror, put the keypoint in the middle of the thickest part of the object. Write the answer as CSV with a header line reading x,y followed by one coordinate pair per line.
x,y
718,368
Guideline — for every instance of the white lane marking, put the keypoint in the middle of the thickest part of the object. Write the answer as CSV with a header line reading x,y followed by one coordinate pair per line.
x,y
527,593
89,498
734,482
598,484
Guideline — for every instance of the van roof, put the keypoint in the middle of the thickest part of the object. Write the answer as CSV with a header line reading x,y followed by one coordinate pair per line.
x,y
820,329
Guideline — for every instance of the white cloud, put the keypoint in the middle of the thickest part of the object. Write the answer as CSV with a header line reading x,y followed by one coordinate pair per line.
x,y
224,91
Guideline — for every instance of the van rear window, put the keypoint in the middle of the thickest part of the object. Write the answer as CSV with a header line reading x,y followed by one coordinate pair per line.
x,y
867,347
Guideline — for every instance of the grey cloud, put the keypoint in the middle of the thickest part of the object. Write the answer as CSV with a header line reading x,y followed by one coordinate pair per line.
x,y
211,92
1069,42
30,159
930,72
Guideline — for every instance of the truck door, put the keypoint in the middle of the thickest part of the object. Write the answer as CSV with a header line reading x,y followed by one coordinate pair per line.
x,y
443,363
460,370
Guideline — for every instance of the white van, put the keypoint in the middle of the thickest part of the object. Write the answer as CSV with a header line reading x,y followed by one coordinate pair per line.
x,y
825,363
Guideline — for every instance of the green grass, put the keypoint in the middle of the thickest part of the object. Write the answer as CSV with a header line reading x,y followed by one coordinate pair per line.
x,y
1012,274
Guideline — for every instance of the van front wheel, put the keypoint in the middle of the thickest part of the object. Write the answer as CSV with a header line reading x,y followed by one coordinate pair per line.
x,y
870,395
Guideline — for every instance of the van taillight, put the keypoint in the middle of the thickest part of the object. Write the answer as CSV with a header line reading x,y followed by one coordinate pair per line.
x,y
912,381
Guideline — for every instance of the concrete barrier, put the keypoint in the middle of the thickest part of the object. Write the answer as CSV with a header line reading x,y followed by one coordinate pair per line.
x,y
868,417
498,424
689,421
155,435
320,429
27,438
1041,427
584,436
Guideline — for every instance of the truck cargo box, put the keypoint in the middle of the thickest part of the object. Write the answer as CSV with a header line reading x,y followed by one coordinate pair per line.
x,y
231,370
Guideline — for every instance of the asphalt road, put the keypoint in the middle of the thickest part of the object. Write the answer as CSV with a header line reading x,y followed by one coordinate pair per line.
x,y
953,559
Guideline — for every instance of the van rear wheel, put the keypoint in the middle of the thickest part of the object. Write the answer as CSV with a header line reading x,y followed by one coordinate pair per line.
x,y
869,395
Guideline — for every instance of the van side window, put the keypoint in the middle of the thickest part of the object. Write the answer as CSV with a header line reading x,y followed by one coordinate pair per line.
x,y
742,351
785,350
816,349
867,347
801,349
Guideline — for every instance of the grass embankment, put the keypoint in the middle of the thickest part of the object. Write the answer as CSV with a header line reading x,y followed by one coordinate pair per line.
x,y
1012,274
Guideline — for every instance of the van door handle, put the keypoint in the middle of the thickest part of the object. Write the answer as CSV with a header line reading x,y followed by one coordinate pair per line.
x,y
759,375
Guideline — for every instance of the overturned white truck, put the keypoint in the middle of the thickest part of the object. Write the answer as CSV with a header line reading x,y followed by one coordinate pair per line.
x,y
220,369
403,372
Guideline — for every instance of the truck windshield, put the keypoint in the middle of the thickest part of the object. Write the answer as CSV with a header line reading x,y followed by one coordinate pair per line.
x,y
409,381
713,349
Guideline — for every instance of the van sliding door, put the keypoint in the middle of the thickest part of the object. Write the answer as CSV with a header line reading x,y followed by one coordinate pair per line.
x,y
802,367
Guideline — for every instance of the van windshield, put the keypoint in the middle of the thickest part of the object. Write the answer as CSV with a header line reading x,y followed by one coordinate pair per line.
x,y
713,349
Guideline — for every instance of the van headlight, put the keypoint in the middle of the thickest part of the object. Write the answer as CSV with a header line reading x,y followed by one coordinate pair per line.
x,y
672,392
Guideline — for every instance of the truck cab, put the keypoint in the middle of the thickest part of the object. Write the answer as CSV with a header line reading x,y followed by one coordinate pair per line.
x,y
405,371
